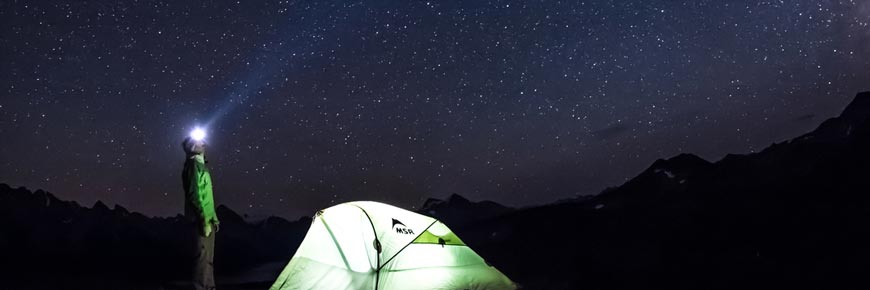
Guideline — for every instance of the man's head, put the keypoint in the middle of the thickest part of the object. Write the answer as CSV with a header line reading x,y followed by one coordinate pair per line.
x,y
193,147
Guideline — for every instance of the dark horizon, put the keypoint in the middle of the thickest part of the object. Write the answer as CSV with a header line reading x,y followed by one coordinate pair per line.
x,y
316,103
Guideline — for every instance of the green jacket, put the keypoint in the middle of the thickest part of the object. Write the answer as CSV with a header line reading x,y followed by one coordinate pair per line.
x,y
198,195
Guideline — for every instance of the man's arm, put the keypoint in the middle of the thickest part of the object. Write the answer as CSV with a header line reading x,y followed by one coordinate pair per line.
x,y
193,194
203,191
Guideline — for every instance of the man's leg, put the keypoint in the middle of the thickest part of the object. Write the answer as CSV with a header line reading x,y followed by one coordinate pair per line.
x,y
200,269
209,273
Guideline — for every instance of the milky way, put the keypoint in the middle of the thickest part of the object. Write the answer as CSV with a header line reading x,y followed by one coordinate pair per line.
x,y
315,103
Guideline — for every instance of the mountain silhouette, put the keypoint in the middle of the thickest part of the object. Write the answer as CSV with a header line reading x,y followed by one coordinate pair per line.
x,y
458,211
791,216
41,234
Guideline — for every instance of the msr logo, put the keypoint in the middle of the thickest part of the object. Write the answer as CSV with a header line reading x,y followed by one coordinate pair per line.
x,y
401,228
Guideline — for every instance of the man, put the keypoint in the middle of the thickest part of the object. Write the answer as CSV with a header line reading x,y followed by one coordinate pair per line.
x,y
199,208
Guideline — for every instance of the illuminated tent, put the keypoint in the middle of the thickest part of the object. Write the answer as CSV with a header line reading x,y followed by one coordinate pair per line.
x,y
370,245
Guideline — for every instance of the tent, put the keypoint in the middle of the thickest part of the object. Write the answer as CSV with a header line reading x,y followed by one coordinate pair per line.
x,y
370,245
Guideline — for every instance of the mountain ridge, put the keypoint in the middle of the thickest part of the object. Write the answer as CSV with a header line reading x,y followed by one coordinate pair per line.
x,y
38,226
789,216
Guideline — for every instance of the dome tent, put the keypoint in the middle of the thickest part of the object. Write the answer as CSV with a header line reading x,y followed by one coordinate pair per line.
x,y
370,245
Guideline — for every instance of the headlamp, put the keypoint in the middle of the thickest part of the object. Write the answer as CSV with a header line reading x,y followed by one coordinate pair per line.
x,y
197,134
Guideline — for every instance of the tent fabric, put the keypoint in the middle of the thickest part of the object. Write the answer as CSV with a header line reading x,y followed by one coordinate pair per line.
x,y
370,245
448,238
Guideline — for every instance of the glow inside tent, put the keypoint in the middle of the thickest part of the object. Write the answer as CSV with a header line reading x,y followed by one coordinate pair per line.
x,y
370,245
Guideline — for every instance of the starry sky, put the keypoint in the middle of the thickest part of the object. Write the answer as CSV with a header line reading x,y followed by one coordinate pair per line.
x,y
312,103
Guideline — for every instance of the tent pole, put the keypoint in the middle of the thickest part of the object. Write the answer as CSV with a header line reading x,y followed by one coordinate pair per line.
x,y
377,246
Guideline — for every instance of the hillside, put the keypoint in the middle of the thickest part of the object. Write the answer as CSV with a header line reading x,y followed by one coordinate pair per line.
x,y
36,228
791,216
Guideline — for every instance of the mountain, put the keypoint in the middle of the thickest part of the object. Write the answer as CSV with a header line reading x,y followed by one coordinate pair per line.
x,y
791,216
41,234
457,211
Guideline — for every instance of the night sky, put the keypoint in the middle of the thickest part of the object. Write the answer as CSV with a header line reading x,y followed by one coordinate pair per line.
x,y
310,103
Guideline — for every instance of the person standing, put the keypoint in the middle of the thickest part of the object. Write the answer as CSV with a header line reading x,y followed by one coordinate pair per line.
x,y
199,208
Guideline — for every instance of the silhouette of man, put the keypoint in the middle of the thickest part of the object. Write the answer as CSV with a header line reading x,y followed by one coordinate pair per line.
x,y
199,209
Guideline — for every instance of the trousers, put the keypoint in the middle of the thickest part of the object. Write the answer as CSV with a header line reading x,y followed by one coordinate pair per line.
x,y
203,271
